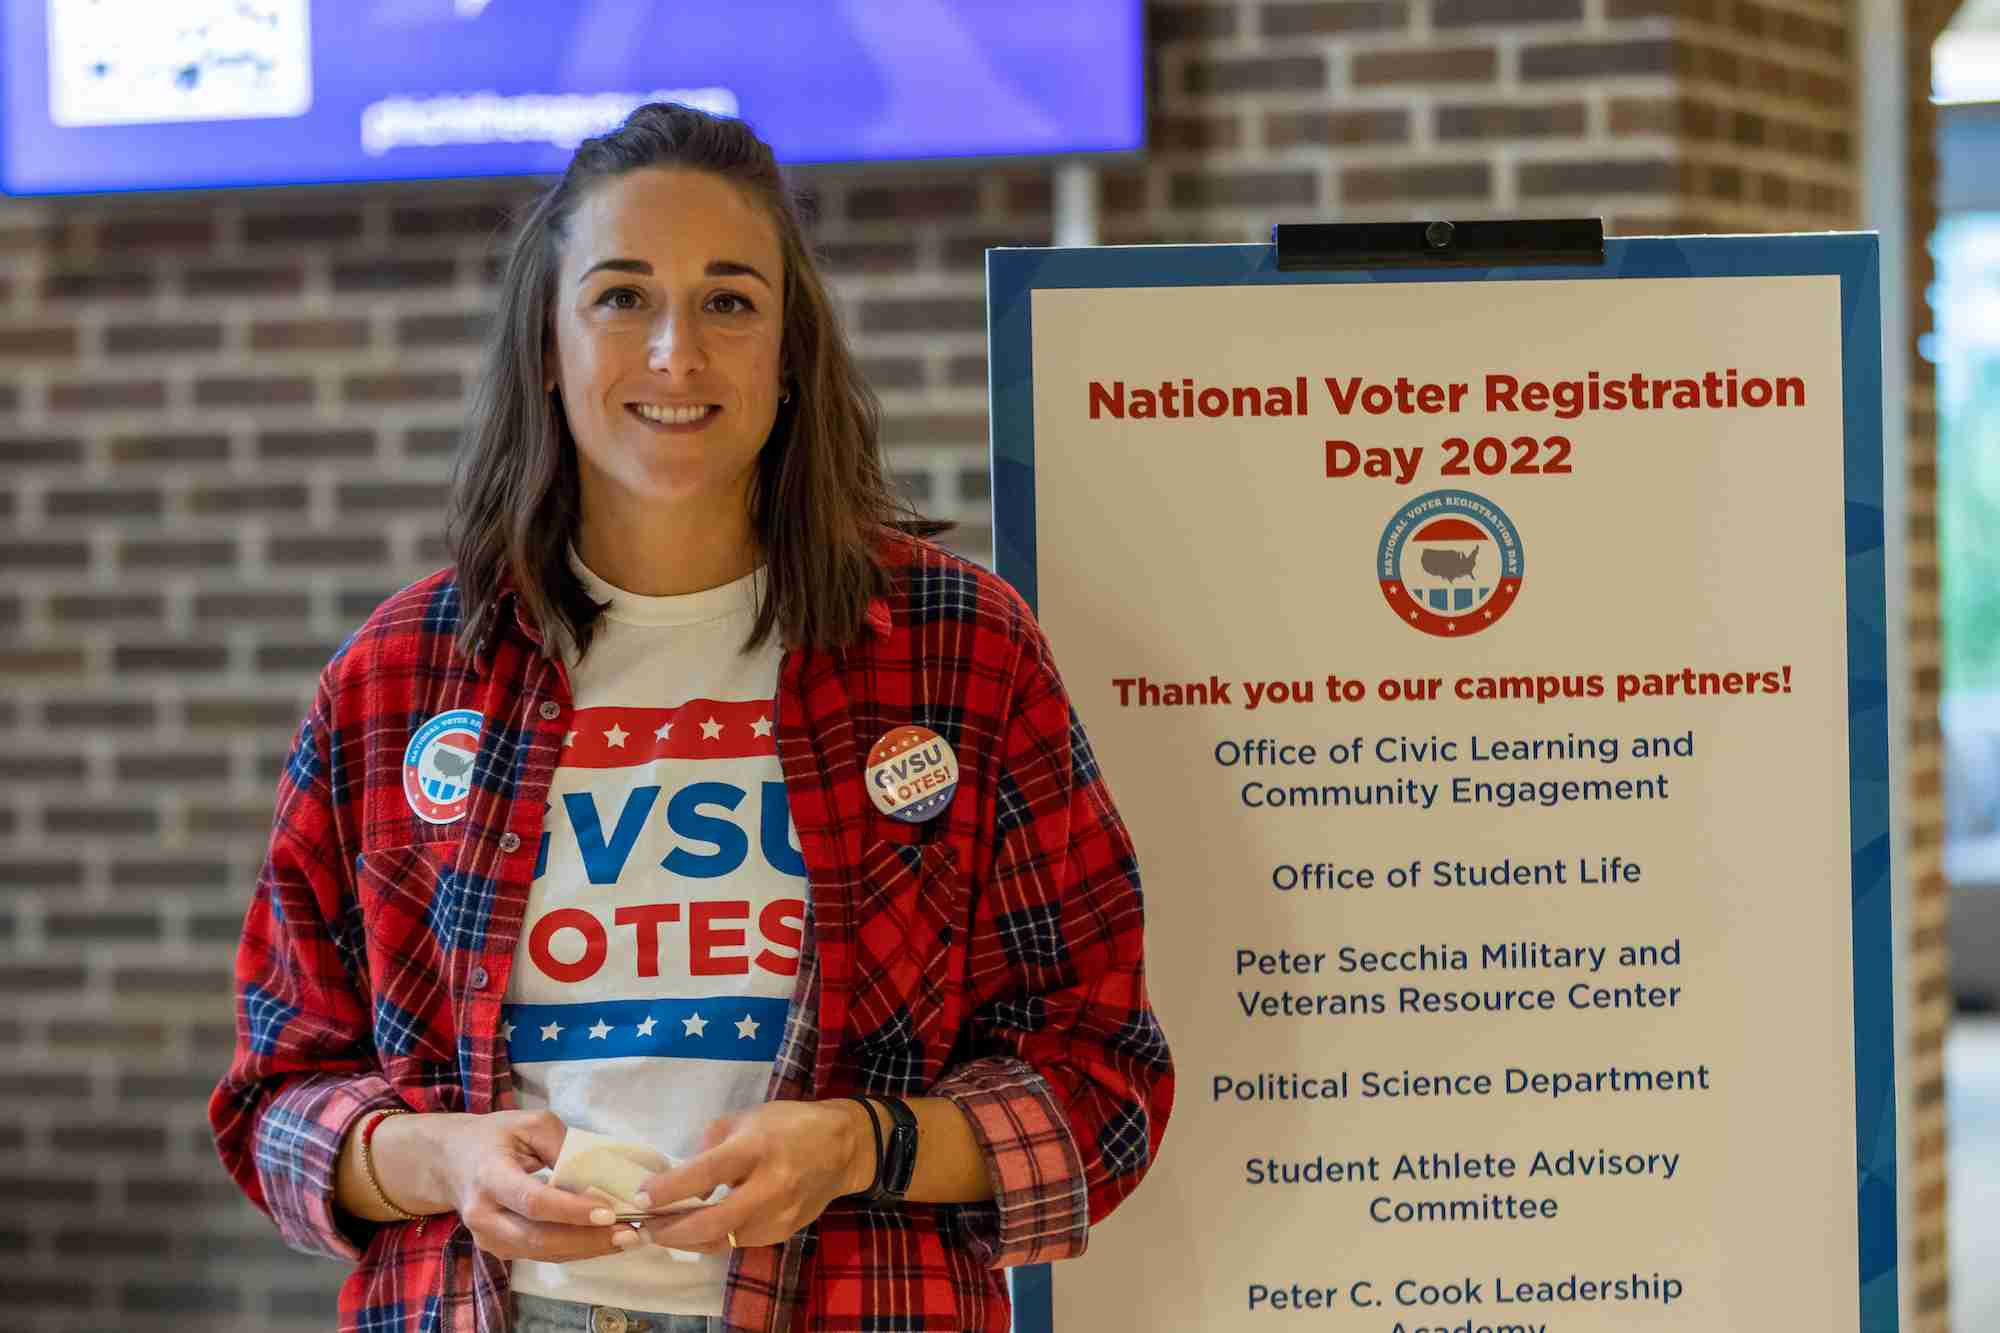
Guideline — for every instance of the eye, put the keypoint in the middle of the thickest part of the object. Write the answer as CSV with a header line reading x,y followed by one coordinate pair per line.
x,y
729,303
607,298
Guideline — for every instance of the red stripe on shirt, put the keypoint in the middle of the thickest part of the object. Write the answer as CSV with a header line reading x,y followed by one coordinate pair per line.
x,y
697,729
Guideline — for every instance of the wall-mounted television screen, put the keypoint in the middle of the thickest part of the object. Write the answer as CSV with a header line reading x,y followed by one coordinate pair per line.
x,y
109,95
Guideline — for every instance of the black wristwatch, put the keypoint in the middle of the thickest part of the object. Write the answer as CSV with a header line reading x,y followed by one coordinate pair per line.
x,y
899,1155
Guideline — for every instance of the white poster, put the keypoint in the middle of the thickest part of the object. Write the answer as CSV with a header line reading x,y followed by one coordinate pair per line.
x,y
1471,662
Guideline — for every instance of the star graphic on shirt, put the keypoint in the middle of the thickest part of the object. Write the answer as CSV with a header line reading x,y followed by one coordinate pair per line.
x,y
746,1027
646,1028
569,739
550,1031
666,730
696,1026
761,727
710,729
600,1030
506,1032
615,737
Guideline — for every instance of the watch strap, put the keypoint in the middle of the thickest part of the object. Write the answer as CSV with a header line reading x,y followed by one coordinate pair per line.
x,y
899,1154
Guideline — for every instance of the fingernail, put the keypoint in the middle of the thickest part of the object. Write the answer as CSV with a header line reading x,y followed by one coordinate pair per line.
x,y
603,1217
643,1199
623,1239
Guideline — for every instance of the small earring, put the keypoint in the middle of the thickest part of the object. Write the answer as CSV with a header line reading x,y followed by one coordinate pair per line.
x,y
785,397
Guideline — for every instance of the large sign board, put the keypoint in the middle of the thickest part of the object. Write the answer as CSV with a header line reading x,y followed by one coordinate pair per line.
x,y
1491,667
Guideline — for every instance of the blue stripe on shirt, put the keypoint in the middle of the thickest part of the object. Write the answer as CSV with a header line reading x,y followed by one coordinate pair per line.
x,y
718,1028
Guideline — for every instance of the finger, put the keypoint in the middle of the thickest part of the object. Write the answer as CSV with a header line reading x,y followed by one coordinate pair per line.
x,y
536,1200
543,1134
708,1229
728,1163
551,1242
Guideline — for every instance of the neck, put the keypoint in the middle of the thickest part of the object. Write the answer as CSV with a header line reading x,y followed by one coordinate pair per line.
x,y
670,554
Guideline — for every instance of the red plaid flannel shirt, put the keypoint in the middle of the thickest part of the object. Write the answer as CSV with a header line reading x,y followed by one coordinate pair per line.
x,y
992,956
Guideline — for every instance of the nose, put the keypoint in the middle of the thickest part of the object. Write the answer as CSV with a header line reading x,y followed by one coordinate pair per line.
x,y
676,347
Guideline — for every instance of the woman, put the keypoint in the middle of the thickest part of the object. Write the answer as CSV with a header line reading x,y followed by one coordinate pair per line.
x,y
703,804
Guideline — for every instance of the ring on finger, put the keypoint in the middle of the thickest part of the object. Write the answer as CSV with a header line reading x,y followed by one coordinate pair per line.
x,y
732,1241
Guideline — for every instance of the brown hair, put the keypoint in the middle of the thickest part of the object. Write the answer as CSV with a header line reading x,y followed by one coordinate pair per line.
x,y
820,501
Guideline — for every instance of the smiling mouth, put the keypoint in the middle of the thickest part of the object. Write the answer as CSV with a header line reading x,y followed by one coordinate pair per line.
x,y
672,416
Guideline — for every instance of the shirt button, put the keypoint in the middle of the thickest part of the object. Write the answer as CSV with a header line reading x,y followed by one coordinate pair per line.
x,y
551,710
479,978
510,842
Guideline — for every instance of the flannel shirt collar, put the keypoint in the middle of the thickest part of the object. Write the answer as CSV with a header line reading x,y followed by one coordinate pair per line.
x,y
507,606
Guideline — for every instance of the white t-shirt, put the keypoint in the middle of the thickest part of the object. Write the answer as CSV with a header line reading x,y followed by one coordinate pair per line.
x,y
661,945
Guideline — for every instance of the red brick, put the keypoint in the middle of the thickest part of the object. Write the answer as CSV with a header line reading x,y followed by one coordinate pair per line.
x,y
901,203
55,450
443,330
924,314
1512,13
106,395
169,449
224,280
98,284
390,275
375,497
1331,16
1257,74
1595,177
91,608
250,391
315,444
300,228
126,234
1590,60
1174,23
1244,189
137,339
254,497
102,502
443,384
1511,120
838,257
264,607
473,219
1460,64
37,341
1455,180
287,335
1193,134
325,549
1289,129
150,555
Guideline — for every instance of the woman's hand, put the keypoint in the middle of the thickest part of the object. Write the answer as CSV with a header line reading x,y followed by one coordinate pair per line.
x,y
783,1161
481,1166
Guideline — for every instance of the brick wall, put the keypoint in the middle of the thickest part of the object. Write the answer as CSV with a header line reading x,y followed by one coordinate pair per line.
x,y
1928,977
224,429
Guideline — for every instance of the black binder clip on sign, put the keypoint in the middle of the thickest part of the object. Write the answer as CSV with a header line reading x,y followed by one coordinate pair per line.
x,y
1321,245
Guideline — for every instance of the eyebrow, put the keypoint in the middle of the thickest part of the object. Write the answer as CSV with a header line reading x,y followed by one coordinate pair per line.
x,y
717,268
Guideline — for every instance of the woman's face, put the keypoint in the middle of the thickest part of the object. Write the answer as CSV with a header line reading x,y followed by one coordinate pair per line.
x,y
668,316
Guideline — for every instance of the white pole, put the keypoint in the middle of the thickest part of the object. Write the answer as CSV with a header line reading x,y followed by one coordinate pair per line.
x,y
1076,203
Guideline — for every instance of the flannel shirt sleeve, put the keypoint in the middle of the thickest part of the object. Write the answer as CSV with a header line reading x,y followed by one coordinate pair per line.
x,y
1072,1083
304,1068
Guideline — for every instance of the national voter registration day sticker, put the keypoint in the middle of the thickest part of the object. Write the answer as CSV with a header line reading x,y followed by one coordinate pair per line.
x,y
437,766
1449,563
912,774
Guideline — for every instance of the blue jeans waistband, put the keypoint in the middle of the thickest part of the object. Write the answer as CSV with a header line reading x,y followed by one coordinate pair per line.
x,y
540,1314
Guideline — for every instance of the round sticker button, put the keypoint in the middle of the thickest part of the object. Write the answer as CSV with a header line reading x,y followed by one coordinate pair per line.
x,y
437,766
912,774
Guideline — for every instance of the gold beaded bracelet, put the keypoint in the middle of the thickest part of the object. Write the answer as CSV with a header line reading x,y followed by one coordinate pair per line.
x,y
368,1167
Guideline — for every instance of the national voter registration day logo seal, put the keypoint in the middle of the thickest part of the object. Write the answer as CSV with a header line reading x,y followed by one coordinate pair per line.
x,y
912,774
437,766
1450,563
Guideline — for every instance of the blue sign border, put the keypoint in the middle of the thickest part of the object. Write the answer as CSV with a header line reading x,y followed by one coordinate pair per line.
x,y
1013,276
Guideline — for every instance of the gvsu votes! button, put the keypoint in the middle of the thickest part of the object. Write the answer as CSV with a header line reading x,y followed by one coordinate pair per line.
x,y
912,774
